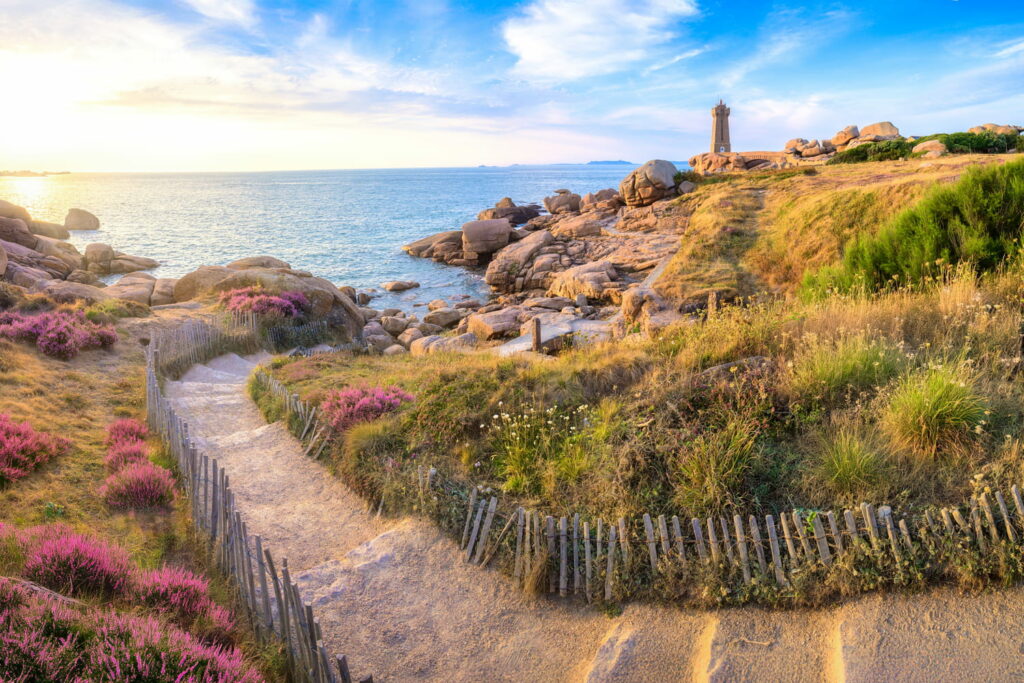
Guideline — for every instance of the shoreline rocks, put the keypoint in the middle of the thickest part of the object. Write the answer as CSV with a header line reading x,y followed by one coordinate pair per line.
x,y
80,219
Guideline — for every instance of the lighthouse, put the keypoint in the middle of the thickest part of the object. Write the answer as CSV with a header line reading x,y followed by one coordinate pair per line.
x,y
720,129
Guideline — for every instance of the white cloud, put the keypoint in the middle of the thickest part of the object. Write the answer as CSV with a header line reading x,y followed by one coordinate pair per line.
x,y
241,12
786,35
689,54
1010,49
564,40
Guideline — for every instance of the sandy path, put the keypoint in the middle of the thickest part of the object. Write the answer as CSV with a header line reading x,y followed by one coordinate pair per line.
x,y
393,597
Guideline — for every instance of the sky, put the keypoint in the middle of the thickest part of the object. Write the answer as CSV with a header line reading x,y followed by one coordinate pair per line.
x,y
206,85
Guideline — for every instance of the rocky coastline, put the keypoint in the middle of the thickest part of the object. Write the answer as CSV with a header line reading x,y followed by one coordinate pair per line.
x,y
583,266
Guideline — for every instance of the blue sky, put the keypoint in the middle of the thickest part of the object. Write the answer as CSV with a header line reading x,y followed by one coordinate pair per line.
x,y
266,84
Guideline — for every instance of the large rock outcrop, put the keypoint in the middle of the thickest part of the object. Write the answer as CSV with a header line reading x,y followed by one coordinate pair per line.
x,y
563,201
507,209
103,260
9,210
80,219
511,269
257,262
326,299
883,130
483,238
647,184
16,230
593,280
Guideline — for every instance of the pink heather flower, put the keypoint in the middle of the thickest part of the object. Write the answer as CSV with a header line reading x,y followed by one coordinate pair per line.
x,y
22,449
126,453
256,300
75,564
61,333
126,430
42,639
347,407
138,485
174,590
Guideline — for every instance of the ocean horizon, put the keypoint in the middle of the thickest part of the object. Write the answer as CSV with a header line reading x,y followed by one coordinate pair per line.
x,y
345,225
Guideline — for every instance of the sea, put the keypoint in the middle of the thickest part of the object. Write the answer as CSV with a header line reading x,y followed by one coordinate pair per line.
x,y
347,226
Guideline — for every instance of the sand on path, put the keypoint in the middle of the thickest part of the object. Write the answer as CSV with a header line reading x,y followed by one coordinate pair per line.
x,y
394,596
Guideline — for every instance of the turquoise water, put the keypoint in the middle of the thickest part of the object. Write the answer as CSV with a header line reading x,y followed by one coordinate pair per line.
x,y
346,226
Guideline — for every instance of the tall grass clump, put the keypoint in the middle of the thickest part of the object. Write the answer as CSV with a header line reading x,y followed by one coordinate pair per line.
x,y
849,466
934,411
541,449
978,220
827,370
712,467
23,449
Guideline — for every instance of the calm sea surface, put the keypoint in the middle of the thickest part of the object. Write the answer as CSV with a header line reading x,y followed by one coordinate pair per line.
x,y
346,226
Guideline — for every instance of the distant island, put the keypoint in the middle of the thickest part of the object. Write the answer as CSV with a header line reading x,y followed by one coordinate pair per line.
x,y
619,162
31,174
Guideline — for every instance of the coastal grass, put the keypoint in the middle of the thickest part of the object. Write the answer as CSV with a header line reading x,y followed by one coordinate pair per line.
x,y
764,231
902,397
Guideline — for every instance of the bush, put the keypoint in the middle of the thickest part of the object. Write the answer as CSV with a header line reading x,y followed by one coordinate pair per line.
x,y
60,334
887,150
850,466
23,449
256,300
126,430
712,467
933,411
78,565
185,597
44,640
977,221
125,453
350,406
826,370
137,486
978,143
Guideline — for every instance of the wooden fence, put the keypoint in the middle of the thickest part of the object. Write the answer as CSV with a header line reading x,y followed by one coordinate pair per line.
x,y
271,599
609,559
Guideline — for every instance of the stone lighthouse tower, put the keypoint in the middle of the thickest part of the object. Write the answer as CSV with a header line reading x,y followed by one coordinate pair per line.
x,y
720,128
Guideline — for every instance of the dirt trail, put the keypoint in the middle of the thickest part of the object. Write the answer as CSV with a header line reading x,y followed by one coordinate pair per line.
x,y
393,597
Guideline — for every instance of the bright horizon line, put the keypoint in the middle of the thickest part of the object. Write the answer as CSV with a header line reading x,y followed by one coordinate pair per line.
x,y
317,170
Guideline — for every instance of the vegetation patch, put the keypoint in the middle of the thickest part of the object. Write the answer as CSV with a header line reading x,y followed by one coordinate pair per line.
x,y
978,221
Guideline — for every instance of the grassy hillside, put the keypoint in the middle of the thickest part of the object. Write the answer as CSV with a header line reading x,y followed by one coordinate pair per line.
x,y
757,232
907,397
77,400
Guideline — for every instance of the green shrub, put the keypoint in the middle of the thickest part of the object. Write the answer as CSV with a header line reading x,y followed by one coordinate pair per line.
x,y
977,143
849,466
711,468
691,175
887,150
978,220
826,370
111,310
934,411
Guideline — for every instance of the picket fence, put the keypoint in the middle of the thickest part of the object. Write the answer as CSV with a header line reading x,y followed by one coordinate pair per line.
x,y
608,559
271,599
